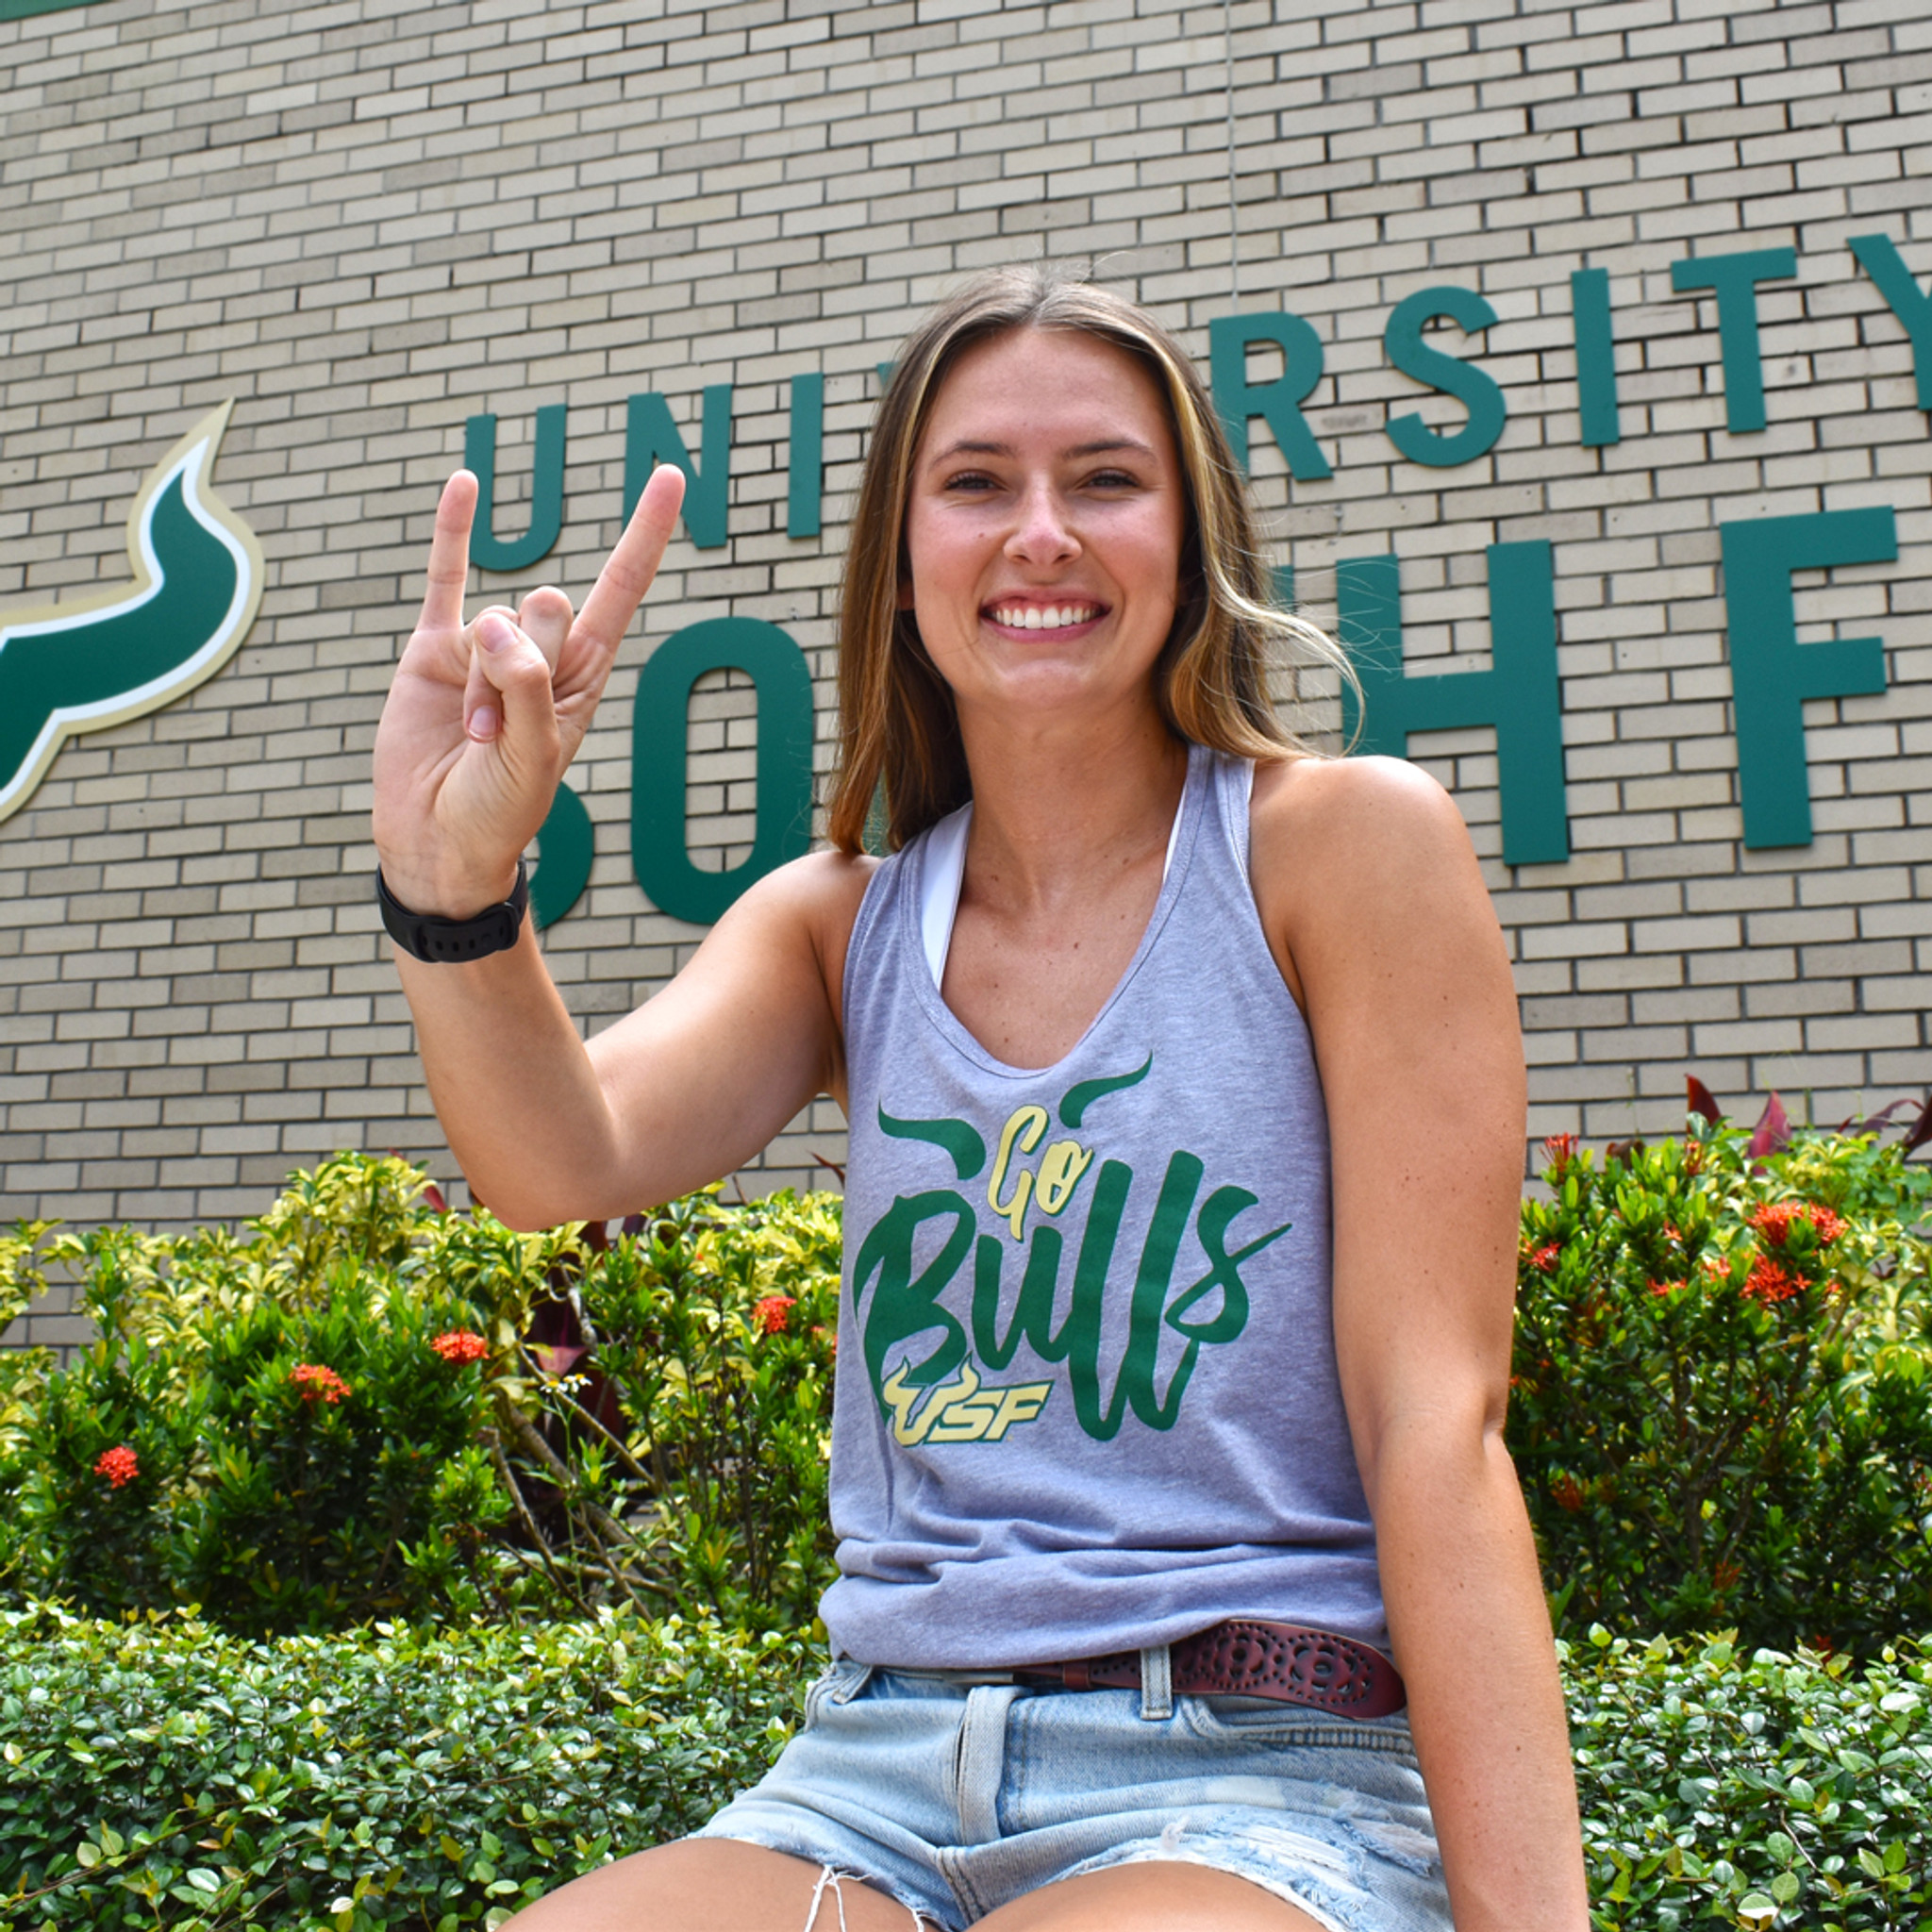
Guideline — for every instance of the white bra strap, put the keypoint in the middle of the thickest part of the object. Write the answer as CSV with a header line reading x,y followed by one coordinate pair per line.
x,y
939,882
945,872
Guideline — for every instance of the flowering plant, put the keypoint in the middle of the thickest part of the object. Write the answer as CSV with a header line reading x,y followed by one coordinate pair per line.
x,y
459,1346
314,1382
1721,1403
365,1405
771,1315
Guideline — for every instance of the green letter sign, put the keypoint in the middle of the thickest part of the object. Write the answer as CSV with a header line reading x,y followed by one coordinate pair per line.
x,y
659,737
1772,673
487,550
565,847
651,438
806,463
1879,256
1237,400
1734,279
1517,694
1596,357
1476,391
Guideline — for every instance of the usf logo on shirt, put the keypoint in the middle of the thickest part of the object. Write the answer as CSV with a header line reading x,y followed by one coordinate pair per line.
x,y
1031,1183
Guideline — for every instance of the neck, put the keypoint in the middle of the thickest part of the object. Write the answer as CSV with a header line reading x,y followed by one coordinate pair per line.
x,y
1068,811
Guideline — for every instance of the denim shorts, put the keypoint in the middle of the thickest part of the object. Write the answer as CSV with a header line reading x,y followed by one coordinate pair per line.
x,y
957,1791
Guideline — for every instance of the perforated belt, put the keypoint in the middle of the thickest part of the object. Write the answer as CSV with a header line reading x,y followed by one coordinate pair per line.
x,y
1247,1657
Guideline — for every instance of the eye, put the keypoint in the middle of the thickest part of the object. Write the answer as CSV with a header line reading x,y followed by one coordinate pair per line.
x,y
969,483
1114,479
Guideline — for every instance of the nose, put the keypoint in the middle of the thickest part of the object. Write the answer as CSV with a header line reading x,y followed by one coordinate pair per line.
x,y
1041,534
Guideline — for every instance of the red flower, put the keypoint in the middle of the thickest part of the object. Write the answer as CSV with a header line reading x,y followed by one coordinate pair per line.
x,y
118,1465
1542,1259
318,1384
773,1314
1567,1493
1771,1281
1662,1287
1829,1226
1774,1220
459,1346
1559,1150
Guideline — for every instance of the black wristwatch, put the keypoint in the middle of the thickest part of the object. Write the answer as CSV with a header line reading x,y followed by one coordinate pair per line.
x,y
442,942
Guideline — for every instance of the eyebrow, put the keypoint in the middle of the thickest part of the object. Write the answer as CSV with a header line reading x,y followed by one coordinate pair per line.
x,y
1106,446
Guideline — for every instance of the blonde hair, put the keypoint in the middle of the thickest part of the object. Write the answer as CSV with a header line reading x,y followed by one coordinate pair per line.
x,y
897,722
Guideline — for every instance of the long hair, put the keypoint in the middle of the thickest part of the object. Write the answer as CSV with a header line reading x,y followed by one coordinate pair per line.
x,y
897,720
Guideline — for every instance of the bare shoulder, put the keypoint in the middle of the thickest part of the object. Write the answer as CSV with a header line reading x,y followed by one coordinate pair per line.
x,y
807,905
821,886
1340,813
1363,859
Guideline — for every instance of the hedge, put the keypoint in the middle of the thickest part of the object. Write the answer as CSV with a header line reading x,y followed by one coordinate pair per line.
x,y
160,1772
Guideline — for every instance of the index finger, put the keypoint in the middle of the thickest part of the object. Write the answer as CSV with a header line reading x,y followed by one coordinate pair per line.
x,y
449,554
629,569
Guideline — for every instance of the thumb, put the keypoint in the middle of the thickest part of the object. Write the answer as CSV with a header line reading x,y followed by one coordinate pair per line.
x,y
523,722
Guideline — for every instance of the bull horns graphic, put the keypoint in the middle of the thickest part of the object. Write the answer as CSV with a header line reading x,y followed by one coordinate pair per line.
x,y
112,655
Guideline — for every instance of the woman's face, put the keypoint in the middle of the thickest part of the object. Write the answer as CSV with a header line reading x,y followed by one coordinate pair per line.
x,y
1044,527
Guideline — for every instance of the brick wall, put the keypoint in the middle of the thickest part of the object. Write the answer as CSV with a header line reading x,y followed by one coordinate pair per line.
x,y
367,222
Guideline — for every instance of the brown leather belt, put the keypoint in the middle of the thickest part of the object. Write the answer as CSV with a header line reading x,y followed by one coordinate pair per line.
x,y
1247,1657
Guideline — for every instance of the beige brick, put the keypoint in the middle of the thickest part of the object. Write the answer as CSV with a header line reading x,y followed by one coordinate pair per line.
x,y
591,204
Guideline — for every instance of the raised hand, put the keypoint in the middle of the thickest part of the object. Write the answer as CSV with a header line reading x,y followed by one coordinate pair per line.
x,y
483,718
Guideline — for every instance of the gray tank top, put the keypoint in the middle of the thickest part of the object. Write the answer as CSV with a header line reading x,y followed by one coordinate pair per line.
x,y
1087,1396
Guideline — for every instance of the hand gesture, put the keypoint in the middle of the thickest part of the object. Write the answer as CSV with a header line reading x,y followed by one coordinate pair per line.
x,y
483,718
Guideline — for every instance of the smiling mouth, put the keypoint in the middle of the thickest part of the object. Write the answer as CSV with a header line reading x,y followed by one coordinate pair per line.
x,y
1038,617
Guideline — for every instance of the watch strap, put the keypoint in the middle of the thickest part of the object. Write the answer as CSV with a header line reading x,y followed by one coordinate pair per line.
x,y
446,941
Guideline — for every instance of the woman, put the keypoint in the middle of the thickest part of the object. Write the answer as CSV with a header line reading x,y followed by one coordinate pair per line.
x,y
1121,1418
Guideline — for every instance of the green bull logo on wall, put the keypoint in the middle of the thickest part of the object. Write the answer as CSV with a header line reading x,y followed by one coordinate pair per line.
x,y
1033,1187
117,654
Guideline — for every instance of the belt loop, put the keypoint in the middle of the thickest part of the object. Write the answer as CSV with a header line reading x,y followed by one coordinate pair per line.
x,y
981,1762
1157,1683
853,1679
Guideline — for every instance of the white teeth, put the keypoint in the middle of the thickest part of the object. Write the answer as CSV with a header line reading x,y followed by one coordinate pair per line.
x,y
1052,617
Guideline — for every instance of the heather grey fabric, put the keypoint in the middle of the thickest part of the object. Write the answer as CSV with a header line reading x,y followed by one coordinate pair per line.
x,y
1086,1394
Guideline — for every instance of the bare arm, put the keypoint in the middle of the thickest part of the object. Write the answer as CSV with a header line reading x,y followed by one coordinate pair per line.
x,y
684,1090
480,723
1366,877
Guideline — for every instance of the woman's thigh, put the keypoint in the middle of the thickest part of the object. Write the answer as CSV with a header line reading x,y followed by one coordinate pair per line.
x,y
1154,1896
713,1885
716,1885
